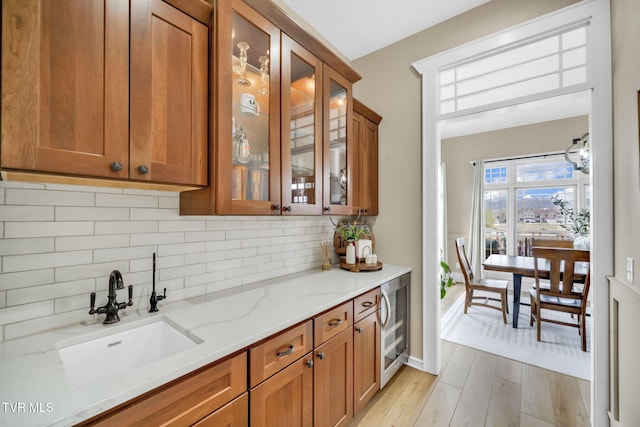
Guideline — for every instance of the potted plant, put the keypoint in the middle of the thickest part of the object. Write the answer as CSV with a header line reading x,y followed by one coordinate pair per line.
x,y
578,223
356,233
446,280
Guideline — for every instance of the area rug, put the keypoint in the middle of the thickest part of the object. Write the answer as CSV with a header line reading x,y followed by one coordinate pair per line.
x,y
483,329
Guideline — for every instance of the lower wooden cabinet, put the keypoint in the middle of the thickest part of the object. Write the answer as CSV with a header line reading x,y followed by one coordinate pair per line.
x,y
233,414
366,361
285,399
184,401
333,381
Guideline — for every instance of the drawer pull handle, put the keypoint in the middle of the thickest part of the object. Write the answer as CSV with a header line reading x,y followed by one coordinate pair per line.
x,y
335,322
286,352
367,304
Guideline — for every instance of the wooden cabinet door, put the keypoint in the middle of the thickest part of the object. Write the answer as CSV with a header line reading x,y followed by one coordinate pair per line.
x,y
65,86
333,381
286,399
169,95
339,155
301,130
233,414
365,131
366,361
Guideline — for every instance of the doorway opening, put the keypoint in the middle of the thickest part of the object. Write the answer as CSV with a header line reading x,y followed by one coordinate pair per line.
x,y
595,14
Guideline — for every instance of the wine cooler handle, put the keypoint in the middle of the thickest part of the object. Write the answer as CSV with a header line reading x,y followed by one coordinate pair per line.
x,y
385,299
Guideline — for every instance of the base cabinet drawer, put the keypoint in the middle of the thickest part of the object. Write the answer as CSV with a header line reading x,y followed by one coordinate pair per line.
x,y
285,399
184,401
233,414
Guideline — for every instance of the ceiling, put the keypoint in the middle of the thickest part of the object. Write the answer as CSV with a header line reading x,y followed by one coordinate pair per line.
x,y
359,27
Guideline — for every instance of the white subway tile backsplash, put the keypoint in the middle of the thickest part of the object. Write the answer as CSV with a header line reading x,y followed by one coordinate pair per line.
x,y
64,213
123,253
58,243
38,261
154,214
115,227
47,229
26,246
50,291
126,201
48,198
9,213
26,278
156,238
23,312
92,242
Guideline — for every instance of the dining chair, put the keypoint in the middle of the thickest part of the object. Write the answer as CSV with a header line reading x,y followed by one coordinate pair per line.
x,y
563,293
487,285
551,243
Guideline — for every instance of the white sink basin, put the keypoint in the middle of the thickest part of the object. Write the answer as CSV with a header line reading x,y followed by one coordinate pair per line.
x,y
105,354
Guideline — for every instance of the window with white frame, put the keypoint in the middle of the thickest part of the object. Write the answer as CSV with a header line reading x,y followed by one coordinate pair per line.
x,y
549,64
518,201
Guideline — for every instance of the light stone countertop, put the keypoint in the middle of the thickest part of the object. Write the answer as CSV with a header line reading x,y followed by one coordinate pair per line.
x,y
35,390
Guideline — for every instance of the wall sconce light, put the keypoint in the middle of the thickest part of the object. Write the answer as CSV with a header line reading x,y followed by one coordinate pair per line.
x,y
582,164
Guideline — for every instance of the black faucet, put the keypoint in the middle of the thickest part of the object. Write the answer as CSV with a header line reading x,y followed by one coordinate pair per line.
x,y
112,306
155,298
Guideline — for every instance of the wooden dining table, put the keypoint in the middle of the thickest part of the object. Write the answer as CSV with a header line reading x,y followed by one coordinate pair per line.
x,y
524,266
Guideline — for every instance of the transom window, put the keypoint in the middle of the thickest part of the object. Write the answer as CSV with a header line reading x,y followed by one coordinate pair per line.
x,y
553,63
518,201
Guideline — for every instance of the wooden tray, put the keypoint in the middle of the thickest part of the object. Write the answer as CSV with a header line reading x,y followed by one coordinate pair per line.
x,y
360,266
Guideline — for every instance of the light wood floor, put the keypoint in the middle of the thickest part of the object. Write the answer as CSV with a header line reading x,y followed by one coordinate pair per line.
x,y
478,389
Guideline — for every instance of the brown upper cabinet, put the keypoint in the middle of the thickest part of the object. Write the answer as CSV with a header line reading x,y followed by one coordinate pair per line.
x,y
365,133
272,137
74,103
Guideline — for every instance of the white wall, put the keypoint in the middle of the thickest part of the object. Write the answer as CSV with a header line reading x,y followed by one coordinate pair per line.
x,y
59,243
625,15
391,88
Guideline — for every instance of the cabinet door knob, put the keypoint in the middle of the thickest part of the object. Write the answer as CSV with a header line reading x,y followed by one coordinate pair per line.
x,y
359,330
275,207
321,355
287,209
142,169
327,209
310,363
116,166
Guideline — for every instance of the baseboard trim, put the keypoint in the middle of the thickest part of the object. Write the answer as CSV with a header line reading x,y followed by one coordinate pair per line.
x,y
415,363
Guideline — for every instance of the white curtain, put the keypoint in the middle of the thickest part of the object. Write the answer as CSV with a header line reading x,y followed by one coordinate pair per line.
x,y
475,246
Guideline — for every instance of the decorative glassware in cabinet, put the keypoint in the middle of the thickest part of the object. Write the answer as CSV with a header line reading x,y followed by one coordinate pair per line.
x,y
301,114
338,144
250,111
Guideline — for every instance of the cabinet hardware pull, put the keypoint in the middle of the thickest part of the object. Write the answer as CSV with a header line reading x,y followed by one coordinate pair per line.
x,y
367,304
286,352
275,207
287,209
310,363
116,166
335,322
142,170
359,330
326,209
321,355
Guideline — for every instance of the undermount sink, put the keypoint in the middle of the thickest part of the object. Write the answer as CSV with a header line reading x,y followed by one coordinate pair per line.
x,y
105,354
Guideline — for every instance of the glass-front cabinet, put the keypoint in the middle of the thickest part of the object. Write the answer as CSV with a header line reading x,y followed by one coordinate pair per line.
x,y
301,130
248,108
338,147
280,121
